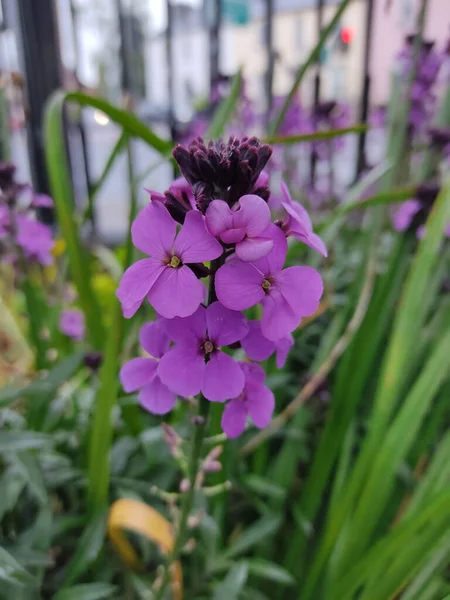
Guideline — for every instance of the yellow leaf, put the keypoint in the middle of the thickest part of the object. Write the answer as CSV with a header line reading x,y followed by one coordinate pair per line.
x,y
131,515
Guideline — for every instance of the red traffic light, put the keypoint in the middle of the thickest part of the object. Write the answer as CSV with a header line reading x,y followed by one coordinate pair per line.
x,y
347,35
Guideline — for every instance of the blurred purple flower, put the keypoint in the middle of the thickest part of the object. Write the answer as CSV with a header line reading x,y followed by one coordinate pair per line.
x,y
255,401
287,295
196,363
169,284
141,373
35,239
4,221
71,323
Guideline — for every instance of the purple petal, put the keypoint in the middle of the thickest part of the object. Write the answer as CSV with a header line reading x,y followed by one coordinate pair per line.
x,y
252,249
262,181
136,283
154,339
182,370
254,374
305,234
253,215
260,405
274,261
194,243
137,372
232,236
278,319
129,311
302,287
295,209
187,330
225,326
177,293
42,201
403,216
233,418
223,378
154,230
238,285
156,397
255,344
284,346
219,217
71,323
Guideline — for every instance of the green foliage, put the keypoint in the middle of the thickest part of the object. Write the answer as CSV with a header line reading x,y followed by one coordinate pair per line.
x,y
348,500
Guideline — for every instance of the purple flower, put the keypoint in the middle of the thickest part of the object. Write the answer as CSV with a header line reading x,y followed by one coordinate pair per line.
x,y
196,362
243,225
258,347
4,221
298,224
141,373
35,239
42,201
255,401
169,284
404,215
286,295
71,323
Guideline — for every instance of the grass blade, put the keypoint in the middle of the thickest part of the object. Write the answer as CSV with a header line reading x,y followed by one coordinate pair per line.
x,y
226,109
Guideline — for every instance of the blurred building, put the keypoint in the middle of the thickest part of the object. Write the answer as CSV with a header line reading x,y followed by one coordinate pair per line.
x,y
295,34
393,20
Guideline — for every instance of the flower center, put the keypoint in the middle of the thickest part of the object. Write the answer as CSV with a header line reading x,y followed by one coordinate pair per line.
x,y
174,262
208,347
266,285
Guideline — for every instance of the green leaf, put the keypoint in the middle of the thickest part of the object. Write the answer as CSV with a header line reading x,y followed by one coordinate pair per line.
x,y
256,533
29,468
312,58
264,486
17,441
127,120
88,548
287,140
225,110
233,583
86,591
63,197
12,572
265,569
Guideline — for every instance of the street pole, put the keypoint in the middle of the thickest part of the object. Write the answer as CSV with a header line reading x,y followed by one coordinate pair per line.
x,y
270,58
214,42
365,96
40,63
317,82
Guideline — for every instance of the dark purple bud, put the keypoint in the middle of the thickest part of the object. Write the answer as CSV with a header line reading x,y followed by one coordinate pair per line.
x,y
93,360
427,192
222,170
440,137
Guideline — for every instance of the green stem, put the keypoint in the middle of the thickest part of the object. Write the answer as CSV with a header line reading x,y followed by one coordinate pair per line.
x,y
194,459
188,502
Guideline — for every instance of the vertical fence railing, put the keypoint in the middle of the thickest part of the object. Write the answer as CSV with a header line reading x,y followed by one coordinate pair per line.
x,y
270,57
361,161
317,83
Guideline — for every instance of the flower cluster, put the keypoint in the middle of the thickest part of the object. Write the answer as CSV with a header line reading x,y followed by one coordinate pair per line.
x,y
216,223
423,93
412,214
20,230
